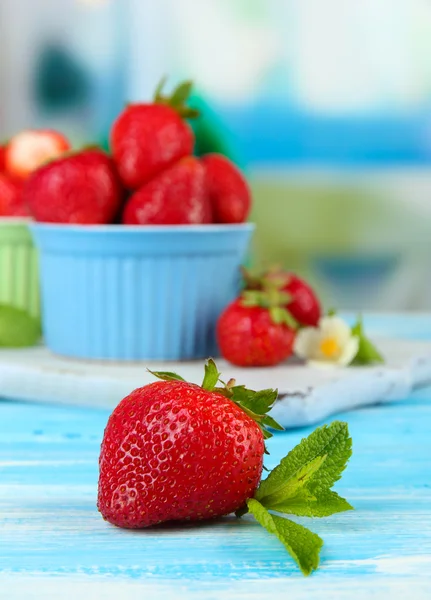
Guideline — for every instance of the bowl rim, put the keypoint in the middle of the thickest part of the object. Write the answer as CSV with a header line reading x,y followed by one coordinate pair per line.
x,y
119,228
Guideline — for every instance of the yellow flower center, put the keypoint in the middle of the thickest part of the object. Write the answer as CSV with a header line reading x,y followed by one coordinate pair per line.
x,y
329,347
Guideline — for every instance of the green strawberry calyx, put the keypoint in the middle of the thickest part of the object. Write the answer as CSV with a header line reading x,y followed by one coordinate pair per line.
x,y
301,484
273,299
178,98
255,404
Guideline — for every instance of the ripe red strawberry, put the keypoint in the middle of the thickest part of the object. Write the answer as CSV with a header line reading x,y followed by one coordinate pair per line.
x,y
228,190
148,138
304,306
11,198
303,303
255,331
2,158
177,196
175,451
79,188
30,149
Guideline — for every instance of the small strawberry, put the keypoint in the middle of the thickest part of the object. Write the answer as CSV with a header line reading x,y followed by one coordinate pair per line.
x,y
303,303
228,190
176,451
148,138
11,198
177,196
30,149
255,330
79,188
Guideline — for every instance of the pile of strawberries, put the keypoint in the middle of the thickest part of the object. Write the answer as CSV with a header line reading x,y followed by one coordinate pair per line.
x,y
150,178
258,329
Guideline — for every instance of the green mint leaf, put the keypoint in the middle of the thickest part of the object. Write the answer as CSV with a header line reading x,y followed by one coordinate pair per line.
x,y
291,486
302,544
367,352
332,312
333,441
18,329
166,375
324,504
211,376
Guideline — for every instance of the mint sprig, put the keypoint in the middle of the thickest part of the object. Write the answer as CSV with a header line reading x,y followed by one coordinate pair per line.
x,y
301,484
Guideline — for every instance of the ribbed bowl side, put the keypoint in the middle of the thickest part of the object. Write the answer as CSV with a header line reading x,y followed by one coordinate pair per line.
x,y
148,302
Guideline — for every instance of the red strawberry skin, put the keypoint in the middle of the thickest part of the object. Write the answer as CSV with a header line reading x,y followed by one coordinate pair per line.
x,y
29,149
173,452
11,198
2,159
228,190
82,188
305,306
146,139
176,197
248,337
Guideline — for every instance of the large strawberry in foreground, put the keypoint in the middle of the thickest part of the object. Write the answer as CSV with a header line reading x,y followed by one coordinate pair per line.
x,y
178,196
81,188
148,138
176,451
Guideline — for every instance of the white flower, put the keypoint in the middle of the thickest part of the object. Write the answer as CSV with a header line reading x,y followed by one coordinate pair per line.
x,y
330,343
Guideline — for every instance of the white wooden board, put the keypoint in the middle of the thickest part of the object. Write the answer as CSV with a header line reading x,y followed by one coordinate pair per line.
x,y
307,394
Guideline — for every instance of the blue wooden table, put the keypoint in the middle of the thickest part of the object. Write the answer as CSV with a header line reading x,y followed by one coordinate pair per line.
x,y
54,544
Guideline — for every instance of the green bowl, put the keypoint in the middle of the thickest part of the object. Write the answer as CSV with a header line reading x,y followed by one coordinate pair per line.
x,y
19,279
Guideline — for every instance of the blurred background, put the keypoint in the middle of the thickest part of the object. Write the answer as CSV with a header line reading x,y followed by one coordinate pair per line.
x,y
325,104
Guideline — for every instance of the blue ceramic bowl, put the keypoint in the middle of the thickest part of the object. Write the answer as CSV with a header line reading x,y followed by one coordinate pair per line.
x,y
134,293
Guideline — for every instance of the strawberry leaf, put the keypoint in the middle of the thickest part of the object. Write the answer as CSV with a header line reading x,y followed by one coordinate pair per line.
x,y
268,421
166,375
158,94
211,376
181,94
302,544
177,100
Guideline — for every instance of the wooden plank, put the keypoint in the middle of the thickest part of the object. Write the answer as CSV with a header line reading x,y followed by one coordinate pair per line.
x,y
53,543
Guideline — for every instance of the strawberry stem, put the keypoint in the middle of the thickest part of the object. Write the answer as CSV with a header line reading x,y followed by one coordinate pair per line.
x,y
178,98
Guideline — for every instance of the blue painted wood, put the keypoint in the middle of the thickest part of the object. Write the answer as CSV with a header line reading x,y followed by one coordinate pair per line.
x,y
54,544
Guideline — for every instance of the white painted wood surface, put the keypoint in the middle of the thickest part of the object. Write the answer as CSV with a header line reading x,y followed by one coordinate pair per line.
x,y
307,394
